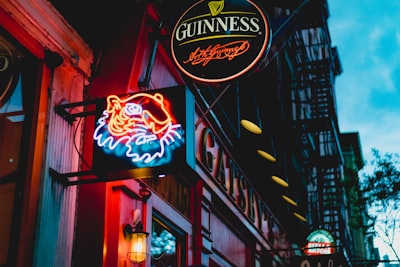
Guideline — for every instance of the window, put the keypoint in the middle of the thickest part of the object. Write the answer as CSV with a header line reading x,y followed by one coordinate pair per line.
x,y
16,108
167,244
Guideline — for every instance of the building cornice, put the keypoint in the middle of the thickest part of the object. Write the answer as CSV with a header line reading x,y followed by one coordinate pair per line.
x,y
44,23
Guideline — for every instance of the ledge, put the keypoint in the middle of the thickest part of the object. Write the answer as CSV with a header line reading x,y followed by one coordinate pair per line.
x,y
45,24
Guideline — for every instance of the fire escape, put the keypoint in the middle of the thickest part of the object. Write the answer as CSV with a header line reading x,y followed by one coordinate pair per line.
x,y
314,66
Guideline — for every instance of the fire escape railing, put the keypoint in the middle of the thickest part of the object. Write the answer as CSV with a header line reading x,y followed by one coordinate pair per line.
x,y
315,65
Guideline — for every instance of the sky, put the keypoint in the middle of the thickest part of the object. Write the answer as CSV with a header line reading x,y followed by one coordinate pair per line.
x,y
367,36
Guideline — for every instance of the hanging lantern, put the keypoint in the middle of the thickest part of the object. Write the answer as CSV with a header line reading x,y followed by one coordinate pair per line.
x,y
137,238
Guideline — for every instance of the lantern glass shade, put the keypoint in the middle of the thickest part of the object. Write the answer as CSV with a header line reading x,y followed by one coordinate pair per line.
x,y
251,126
266,155
300,217
138,246
279,181
289,200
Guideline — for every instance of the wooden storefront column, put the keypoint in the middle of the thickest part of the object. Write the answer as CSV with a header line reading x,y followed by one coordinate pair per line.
x,y
122,199
202,235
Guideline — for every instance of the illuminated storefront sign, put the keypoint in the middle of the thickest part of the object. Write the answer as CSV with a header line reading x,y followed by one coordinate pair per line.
x,y
145,129
232,181
320,242
217,41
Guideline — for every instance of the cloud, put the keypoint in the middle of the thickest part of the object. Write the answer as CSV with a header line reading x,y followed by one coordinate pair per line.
x,y
367,92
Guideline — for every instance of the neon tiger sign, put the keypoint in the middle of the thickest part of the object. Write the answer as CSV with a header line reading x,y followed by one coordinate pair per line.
x,y
140,128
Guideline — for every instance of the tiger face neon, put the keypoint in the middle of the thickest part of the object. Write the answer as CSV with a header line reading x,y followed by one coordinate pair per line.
x,y
139,127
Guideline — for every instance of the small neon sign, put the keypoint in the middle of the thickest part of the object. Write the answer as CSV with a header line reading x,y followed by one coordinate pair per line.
x,y
320,242
139,128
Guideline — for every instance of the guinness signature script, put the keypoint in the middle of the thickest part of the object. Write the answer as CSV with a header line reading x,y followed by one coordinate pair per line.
x,y
217,52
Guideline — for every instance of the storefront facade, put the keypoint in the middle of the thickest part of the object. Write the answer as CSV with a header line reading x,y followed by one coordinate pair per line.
x,y
68,188
33,208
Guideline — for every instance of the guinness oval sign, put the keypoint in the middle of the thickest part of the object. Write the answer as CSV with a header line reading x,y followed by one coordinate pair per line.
x,y
218,41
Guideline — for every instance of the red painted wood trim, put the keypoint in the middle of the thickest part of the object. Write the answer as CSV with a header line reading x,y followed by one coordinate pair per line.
x,y
21,35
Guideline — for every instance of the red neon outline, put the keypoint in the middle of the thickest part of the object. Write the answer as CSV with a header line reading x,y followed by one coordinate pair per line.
x,y
120,123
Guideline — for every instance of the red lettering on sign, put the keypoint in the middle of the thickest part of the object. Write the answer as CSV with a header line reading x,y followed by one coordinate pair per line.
x,y
217,52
